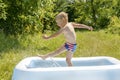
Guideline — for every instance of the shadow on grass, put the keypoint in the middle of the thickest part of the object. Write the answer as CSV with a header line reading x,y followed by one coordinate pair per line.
x,y
7,43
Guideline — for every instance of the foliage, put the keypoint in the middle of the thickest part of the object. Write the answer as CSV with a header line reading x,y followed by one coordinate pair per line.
x,y
38,15
92,12
114,26
116,7
27,16
30,16
12,24
3,7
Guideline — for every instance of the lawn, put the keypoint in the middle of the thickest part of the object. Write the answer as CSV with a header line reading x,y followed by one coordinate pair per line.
x,y
95,43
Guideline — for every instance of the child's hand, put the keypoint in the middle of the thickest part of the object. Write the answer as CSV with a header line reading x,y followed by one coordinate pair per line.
x,y
91,28
45,37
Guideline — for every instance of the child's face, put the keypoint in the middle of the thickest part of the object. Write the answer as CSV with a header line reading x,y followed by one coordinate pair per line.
x,y
61,23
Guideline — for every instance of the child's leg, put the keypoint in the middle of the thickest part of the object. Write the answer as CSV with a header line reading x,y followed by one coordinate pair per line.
x,y
58,51
69,57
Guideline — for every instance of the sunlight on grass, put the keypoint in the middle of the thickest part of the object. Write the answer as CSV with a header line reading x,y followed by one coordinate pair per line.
x,y
98,44
12,50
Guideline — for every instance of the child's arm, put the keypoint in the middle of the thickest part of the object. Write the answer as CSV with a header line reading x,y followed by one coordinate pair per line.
x,y
53,35
76,25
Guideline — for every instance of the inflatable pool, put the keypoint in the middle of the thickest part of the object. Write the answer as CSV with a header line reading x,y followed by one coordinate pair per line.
x,y
85,68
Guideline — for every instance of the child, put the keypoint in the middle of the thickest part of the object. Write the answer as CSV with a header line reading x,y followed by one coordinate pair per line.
x,y
67,28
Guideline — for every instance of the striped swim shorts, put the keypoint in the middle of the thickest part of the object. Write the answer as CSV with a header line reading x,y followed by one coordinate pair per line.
x,y
70,47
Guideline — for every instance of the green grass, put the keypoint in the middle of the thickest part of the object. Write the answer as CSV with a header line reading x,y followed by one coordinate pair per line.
x,y
12,50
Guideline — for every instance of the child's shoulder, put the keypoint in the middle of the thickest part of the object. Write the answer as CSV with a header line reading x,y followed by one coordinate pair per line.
x,y
68,24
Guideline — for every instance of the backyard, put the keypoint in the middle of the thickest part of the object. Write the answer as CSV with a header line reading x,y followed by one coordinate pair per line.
x,y
89,43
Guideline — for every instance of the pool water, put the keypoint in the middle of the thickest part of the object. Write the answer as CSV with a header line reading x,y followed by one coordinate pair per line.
x,y
58,63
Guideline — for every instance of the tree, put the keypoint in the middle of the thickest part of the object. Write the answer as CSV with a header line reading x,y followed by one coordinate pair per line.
x,y
27,16
96,13
12,23
30,16
3,7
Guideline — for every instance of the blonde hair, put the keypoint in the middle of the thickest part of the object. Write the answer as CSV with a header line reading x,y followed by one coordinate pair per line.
x,y
62,16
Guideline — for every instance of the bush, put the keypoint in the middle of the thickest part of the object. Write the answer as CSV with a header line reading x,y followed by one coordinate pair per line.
x,y
95,13
27,16
114,26
30,16
3,7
